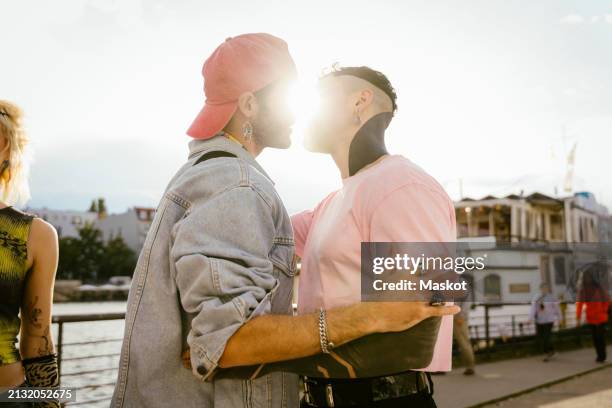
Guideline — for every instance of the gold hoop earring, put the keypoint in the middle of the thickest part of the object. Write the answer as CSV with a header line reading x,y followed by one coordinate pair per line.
x,y
247,131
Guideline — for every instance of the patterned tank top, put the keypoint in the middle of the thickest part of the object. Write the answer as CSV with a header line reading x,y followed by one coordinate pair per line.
x,y
14,231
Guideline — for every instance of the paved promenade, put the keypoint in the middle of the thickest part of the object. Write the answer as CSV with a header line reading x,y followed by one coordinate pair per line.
x,y
500,379
593,390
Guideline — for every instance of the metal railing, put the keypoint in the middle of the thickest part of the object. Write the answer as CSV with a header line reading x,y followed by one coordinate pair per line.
x,y
61,320
494,331
486,336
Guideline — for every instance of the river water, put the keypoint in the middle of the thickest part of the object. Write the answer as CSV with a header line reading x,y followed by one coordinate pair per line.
x,y
85,332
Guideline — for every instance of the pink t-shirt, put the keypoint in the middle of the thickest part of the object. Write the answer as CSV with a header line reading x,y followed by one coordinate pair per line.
x,y
392,201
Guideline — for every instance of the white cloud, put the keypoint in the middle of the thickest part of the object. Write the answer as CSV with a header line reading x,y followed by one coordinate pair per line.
x,y
608,18
595,19
572,19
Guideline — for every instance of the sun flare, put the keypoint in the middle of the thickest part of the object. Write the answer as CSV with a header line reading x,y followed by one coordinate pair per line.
x,y
304,102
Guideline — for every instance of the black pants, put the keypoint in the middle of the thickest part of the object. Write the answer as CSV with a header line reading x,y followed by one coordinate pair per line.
x,y
420,400
599,340
376,393
544,337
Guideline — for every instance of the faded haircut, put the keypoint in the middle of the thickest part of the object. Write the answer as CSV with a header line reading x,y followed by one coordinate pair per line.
x,y
376,78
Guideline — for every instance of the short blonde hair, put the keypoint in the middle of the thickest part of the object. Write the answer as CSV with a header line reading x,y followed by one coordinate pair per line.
x,y
14,188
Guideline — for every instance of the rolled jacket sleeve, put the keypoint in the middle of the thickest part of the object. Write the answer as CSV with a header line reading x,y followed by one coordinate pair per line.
x,y
223,274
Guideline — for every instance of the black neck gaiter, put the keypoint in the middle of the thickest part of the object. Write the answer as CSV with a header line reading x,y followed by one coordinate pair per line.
x,y
369,142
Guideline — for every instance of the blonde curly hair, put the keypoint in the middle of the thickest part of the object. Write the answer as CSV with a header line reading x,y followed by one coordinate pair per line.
x,y
14,188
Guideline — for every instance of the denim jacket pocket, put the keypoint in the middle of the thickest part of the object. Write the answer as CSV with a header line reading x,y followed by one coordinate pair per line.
x,y
282,256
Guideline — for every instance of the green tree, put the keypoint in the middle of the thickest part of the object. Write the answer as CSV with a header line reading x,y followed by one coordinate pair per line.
x,y
90,259
94,206
80,258
91,252
68,265
118,259
101,208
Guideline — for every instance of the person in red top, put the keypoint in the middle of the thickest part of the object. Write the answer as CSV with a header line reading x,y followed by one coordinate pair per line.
x,y
595,300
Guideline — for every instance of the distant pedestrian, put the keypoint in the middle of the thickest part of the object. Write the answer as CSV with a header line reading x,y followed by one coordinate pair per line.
x,y
595,300
545,312
461,334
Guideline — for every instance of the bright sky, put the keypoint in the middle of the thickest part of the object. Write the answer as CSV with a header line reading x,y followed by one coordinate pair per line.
x,y
491,92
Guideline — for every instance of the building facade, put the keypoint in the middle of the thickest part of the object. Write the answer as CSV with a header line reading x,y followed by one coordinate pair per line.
x,y
131,225
66,222
530,240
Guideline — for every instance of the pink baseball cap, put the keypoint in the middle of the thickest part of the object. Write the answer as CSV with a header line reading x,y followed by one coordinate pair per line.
x,y
245,63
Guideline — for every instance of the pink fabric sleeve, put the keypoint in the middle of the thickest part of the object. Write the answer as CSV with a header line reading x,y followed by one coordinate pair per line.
x,y
301,225
413,213
417,213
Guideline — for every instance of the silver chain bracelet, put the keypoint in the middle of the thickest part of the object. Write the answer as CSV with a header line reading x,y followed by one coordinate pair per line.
x,y
326,345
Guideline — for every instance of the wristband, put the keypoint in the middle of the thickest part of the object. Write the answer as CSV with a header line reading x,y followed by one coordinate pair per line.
x,y
42,372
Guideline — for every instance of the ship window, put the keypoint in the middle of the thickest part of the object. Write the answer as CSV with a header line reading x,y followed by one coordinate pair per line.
x,y
492,287
560,275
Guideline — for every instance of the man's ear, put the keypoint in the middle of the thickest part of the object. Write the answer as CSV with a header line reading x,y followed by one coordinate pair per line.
x,y
364,99
247,104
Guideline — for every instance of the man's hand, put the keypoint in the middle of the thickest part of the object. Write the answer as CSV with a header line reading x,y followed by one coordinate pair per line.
x,y
400,316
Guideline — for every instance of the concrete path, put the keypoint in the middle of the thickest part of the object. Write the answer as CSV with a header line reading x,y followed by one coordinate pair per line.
x,y
593,390
505,378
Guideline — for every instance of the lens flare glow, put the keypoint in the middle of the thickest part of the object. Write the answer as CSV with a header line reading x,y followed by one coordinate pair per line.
x,y
304,102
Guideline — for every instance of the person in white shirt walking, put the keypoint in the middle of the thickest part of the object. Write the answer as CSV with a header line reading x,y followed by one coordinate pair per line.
x,y
545,312
461,334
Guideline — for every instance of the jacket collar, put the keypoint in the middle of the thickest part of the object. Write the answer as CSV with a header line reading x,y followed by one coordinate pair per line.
x,y
197,147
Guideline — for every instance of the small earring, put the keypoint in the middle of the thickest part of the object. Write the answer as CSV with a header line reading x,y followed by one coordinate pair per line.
x,y
356,118
247,130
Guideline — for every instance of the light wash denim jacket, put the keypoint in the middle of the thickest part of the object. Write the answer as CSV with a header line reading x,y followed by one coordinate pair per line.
x,y
219,251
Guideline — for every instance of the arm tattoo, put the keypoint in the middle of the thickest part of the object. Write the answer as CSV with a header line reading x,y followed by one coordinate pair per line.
x,y
46,346
34,313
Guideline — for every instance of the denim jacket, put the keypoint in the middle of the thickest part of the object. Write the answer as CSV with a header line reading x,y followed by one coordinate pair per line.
x,y
219,251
